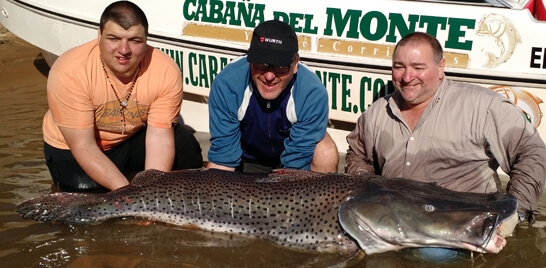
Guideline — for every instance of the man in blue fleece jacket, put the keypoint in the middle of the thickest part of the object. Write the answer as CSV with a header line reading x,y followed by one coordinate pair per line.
x,y
267,110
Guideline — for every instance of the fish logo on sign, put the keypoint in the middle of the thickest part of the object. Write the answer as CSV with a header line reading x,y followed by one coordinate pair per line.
x,y
506,37
525,101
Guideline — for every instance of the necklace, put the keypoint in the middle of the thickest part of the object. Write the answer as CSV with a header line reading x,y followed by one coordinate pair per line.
x,y
122,104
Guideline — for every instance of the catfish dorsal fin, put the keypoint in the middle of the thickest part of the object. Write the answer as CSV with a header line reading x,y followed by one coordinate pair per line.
x,y
279,175
146,177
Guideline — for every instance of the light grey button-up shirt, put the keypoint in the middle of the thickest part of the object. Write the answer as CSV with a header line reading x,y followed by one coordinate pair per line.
x,y
465,133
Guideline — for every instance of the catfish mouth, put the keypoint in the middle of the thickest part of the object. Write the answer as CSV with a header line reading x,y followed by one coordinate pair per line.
x,y
482,234
487,226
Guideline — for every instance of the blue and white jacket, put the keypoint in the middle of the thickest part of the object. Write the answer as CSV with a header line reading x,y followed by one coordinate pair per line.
x,y
242,125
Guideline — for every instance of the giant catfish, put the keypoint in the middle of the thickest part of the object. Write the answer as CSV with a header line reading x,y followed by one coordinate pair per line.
x,y
326,212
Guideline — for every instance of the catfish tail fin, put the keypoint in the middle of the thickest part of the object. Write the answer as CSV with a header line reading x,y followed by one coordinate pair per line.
x,y
59,207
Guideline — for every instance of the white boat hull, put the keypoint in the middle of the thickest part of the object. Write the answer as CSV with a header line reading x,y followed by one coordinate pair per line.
x,y
504,54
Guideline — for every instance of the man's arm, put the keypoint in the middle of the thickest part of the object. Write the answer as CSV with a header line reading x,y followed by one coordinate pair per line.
x,y
92,160
309,118
520,152
160,148
356,160
226,94
216,166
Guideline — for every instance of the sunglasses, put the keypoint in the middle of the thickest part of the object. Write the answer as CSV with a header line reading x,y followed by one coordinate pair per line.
x,y
278,69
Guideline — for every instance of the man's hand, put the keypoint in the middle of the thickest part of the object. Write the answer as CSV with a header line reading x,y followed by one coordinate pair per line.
x,y
91,159
216,166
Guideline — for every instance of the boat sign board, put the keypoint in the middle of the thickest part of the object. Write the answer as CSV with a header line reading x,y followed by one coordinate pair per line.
x,y
347,43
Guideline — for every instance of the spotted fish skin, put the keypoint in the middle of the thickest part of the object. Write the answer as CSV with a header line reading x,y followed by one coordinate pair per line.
x,y
298,209
324,212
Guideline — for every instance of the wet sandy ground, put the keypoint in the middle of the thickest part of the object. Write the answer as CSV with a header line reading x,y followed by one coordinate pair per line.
x,y
23,175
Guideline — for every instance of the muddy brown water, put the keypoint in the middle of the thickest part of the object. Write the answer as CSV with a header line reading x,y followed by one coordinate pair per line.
x,y
127,243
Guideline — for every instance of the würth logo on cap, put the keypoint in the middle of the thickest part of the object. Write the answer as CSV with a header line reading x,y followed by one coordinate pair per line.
x,y
270,40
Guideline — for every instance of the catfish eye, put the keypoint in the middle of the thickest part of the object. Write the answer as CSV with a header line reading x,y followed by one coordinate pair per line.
x,y
429,208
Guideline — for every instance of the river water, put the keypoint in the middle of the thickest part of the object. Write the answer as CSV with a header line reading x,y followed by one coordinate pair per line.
x,y
128,243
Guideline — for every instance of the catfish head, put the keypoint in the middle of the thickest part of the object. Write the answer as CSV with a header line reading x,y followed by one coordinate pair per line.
x,y
389,215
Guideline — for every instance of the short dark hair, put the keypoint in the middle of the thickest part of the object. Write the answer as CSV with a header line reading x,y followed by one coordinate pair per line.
x,y
420,37
124,13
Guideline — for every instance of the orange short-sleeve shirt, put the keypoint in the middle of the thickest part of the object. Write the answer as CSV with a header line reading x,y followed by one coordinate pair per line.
x,y
80,97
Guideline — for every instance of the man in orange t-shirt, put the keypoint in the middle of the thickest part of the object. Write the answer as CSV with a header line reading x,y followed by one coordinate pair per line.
x,y
113,108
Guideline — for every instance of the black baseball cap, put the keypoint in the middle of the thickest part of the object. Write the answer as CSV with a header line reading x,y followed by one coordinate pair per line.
x,y
273,42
